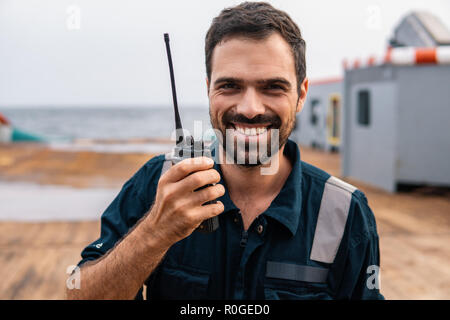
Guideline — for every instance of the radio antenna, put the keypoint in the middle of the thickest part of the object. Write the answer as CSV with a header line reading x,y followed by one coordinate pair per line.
x,y
178,126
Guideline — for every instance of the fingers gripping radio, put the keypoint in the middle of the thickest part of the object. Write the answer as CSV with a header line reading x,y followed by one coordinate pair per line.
x,y
186,146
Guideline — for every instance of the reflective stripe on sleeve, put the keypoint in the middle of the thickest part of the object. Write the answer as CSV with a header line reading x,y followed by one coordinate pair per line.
x,y
333,212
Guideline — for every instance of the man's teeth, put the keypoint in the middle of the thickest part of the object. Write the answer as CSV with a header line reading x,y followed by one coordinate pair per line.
x,y
251,131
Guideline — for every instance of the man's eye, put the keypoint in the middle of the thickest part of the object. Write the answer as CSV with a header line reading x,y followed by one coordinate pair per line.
x,y
229,86
275,87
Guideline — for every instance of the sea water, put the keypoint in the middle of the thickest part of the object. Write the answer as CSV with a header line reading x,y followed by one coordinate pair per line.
x,y
109,123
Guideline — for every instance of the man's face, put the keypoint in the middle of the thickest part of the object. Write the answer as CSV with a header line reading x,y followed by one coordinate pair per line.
x,y
253,91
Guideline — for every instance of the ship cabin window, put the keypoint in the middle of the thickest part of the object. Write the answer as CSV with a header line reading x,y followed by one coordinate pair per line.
x,y
364,107
314,111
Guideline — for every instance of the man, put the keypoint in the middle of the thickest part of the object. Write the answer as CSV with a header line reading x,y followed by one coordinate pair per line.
x,y
295,234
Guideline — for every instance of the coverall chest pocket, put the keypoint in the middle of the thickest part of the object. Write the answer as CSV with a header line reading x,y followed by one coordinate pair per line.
x,y
286,281
183,283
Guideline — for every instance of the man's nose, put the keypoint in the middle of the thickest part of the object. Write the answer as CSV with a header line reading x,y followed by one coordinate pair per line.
x,y
250,105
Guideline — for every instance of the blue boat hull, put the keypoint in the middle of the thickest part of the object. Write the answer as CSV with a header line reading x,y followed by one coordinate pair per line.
x,y
18,136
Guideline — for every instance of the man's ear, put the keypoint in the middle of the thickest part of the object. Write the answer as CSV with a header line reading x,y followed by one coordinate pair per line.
x,y
303,93
207,86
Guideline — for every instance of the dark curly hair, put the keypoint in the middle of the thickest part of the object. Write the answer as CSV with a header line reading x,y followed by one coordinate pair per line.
x,y
256,20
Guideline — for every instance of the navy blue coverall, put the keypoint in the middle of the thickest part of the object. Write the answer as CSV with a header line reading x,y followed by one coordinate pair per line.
x,y
317,240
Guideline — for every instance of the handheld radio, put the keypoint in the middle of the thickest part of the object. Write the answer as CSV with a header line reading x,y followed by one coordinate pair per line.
x,y
186,146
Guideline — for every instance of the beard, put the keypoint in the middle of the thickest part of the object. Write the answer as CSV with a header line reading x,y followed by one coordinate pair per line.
x,y
253,150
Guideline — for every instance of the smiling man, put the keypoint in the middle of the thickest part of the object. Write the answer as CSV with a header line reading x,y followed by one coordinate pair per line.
x,y
297,233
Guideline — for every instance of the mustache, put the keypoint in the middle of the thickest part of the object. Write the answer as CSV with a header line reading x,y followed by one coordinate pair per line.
x,y
274,120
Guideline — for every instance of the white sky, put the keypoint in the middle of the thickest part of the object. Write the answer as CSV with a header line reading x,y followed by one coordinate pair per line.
x,y
117,56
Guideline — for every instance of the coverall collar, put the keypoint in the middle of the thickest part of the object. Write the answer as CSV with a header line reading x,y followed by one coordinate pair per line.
x,y
286,207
